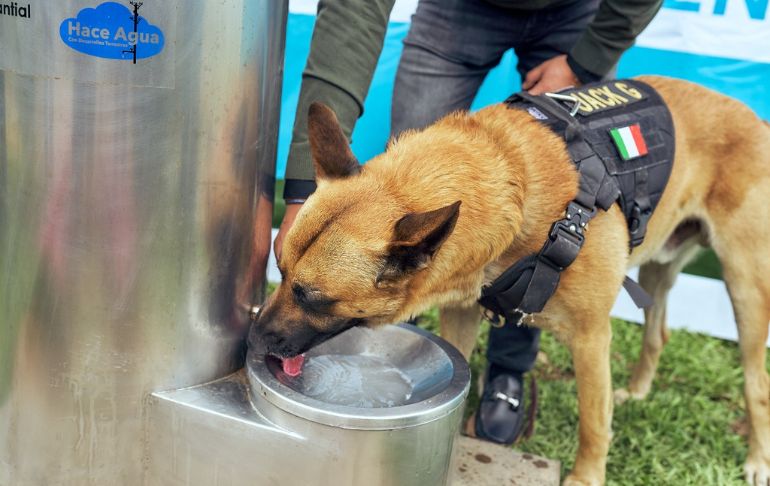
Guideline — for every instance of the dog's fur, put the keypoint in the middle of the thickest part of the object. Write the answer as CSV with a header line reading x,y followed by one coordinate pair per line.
x,y
446,209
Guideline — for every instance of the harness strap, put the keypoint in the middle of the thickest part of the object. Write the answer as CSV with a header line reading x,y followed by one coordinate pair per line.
x,y
640,296
642,210
527,286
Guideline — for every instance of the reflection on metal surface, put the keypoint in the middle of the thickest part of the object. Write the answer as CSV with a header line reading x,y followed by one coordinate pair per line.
x,y
135,208
214,424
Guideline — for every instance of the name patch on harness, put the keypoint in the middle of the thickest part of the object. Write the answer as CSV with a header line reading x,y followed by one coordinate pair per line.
x,y
596,98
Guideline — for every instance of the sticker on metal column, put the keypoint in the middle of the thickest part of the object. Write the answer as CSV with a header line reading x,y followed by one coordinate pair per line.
x,y
112,31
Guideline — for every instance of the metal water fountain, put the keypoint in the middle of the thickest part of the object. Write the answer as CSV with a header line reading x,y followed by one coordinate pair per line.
x,y
137,154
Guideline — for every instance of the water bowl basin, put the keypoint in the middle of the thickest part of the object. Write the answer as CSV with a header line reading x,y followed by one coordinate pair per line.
x,y
369,379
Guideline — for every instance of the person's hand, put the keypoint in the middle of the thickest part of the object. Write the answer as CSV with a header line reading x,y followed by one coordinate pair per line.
x,y
552,75
288,220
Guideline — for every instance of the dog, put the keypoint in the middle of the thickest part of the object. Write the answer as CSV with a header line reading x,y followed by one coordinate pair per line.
x,y
446,209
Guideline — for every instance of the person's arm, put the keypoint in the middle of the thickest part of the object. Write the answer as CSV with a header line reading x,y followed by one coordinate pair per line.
x,y
347,41
612,31
610,34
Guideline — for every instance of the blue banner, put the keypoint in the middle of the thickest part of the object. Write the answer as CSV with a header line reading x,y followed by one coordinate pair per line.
x,y
719,45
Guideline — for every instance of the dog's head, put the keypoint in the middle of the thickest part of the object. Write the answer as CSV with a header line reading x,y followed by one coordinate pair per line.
x,y
352,254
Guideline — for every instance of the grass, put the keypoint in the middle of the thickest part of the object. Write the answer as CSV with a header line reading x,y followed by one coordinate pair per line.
x,y
706,264
279,205
685,433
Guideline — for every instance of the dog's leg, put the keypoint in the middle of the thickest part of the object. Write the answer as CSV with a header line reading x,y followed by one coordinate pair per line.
x,y
657,279
591,357
742,247
750,295
460,326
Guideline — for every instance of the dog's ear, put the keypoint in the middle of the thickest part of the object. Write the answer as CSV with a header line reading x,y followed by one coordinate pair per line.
x,y
417,237
329,148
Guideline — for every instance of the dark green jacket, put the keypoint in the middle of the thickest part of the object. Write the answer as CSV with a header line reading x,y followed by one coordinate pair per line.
x,y
347,41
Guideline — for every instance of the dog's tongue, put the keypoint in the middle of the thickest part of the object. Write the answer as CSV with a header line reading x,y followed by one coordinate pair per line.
x,y
293,366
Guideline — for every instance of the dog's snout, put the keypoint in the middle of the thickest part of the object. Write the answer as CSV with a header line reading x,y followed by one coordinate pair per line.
x,y
284,329
272,339
273,334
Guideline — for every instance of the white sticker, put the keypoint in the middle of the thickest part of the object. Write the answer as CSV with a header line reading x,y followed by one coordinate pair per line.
x,y
537,113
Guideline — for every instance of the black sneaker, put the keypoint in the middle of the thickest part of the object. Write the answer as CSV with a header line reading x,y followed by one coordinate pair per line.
x,y
502,416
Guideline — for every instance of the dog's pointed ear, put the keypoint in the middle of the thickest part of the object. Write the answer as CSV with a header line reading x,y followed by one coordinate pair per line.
x,y
416,239
329,148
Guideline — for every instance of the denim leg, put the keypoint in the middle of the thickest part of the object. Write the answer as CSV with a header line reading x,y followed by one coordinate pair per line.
x,y
450,48
554,31
513,348
428,87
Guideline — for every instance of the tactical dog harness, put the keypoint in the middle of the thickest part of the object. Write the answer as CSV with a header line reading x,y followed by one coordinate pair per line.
x,y
620,135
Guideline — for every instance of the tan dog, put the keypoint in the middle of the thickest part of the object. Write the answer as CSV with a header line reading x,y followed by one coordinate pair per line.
x,y
446,209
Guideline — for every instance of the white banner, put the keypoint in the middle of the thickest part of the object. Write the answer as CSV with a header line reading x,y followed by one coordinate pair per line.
x,y
735,29
402,10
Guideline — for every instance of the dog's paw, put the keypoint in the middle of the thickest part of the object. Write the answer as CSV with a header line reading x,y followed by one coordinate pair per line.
x,y
622,395
576,481
757,471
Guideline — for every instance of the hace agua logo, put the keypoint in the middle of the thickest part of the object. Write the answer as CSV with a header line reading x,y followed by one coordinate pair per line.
x,y
112,31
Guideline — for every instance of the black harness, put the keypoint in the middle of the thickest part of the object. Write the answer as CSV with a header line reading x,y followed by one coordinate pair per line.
x,y
620,135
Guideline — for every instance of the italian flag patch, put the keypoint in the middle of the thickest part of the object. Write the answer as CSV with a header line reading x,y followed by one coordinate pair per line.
x,y
629,141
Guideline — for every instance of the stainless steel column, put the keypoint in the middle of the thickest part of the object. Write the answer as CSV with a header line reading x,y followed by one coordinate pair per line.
x,y
135,210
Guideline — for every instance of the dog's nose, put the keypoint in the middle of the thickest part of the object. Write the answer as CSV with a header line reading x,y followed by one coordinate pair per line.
x,y
272,340
265,336
261,336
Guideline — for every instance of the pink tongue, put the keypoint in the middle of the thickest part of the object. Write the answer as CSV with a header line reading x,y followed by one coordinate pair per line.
x,y
293,366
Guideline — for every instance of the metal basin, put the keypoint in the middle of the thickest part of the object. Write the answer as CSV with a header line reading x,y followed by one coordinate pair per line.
x,y
394,423
428,379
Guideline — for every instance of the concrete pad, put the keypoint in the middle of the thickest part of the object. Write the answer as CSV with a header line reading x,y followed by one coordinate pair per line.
x,y
480,463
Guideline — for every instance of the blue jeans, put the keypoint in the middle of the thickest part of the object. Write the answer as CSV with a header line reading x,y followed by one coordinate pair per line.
x,y
450,48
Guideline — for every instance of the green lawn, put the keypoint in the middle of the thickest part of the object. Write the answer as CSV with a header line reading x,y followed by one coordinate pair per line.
x,y
683,434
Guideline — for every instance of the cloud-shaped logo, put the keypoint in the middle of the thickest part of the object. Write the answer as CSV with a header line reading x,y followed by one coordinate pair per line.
x,y
108,31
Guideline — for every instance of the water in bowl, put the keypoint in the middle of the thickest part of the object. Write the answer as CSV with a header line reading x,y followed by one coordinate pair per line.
x,y
360,380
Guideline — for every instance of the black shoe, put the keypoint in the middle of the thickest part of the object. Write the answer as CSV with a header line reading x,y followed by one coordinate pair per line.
x,y
501,415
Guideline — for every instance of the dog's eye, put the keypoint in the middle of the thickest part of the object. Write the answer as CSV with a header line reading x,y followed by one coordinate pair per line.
x,y
312,300
300,295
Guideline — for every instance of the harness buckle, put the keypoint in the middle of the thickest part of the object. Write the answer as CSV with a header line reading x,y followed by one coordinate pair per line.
x,y
567,236
567,230
563,236
568,99
637,224
579,215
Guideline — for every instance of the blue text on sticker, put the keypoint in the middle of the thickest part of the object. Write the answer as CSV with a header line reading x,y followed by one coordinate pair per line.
x,y
107,31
